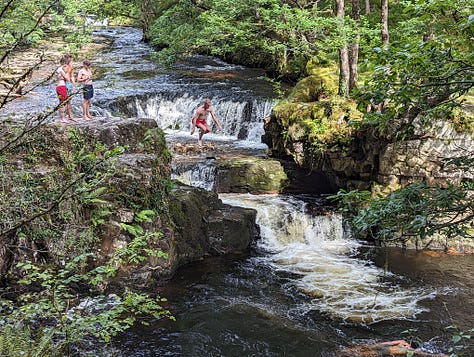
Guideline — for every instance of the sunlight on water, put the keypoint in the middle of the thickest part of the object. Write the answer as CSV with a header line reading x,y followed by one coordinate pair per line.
x,y
318,251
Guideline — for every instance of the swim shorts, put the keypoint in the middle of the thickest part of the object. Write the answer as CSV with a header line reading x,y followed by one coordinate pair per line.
x,y
200,121
62,93
69,88
88,91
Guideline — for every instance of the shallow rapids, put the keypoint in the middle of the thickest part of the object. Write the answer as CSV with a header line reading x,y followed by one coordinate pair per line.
x,y
316,250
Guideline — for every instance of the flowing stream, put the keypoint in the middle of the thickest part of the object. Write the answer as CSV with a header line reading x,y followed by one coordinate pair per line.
x,y
306,288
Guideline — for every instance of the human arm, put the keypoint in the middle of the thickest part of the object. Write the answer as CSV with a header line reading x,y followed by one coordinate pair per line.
x,y
215,119
71,77
193,121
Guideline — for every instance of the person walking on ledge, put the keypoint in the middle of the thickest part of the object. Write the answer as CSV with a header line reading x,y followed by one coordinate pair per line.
x,y
199,120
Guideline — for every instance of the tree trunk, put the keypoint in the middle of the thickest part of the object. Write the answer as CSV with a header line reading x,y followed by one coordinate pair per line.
x,y
343,55
367,7
354,47
384,21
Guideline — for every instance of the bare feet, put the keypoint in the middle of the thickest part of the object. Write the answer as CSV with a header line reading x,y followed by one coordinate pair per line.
x,y
86,118
72,119
62,120
200,142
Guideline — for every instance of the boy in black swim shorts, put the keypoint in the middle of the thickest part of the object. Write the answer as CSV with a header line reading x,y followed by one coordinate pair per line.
x,y
85,76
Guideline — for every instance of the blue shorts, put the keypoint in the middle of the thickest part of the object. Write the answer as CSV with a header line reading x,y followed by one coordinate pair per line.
x,y
88,91
69,87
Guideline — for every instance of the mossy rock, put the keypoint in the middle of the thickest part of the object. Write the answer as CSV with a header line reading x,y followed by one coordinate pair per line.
x,y
254,175
321,83
321,123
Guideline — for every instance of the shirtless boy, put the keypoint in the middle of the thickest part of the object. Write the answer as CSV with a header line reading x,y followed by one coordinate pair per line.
x,y
199,120
85,76
61,89
70,84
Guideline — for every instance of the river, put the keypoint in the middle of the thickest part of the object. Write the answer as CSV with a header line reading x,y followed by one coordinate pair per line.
x,y
306,288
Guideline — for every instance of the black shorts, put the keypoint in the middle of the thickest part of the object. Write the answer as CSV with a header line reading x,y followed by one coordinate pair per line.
x,y
88,91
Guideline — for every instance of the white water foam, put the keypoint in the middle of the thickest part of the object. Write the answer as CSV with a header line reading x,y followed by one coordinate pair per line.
x,y
318,251
242,119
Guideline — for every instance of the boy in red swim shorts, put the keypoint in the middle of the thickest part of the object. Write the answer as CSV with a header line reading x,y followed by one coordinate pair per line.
x,y
61,89
199,120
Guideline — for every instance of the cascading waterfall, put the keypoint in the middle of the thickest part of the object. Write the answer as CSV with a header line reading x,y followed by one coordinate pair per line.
x,y
317,250
240,118
236,306
201,174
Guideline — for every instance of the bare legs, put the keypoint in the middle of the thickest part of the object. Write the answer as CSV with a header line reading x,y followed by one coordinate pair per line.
x,y
203,129
85,109
62,112
66,108
69,109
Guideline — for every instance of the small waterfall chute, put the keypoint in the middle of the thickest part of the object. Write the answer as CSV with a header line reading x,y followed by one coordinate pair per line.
x,y
201,174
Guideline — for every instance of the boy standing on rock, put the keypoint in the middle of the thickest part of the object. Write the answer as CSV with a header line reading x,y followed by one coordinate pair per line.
x,y
85,76
199,120
61,89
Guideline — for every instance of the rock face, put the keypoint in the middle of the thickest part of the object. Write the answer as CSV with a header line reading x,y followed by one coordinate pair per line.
x,y
311,128
389,165
227,170
110,173
204,225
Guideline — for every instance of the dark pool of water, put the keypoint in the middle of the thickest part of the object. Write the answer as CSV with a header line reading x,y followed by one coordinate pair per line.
x,y
235,306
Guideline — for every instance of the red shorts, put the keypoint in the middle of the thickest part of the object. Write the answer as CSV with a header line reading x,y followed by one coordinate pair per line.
x,y
62,93
200,121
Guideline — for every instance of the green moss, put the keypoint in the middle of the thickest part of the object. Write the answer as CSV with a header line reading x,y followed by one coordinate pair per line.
x,y
255,175
462,121
322,123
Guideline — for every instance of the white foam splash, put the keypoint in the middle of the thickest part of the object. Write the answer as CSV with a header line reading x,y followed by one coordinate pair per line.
x,y
317,250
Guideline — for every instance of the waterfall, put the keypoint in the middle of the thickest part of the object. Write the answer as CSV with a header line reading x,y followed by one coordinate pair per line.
x,y
200,174
241,119
317,250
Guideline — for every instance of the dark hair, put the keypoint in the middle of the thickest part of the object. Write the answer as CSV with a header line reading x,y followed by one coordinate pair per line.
x,y
86,63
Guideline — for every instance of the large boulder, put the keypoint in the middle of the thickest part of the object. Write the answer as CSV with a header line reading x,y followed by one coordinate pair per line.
x,y
204,225
91,184
251,175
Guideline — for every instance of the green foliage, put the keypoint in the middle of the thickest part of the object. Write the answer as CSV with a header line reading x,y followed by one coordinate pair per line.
x,y
137,250
461,341
428,65
52,319
264,33
414,211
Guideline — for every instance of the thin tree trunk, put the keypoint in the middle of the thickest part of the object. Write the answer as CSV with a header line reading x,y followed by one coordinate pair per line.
x,y
384,21
343,55
367,7
354,48
343,71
